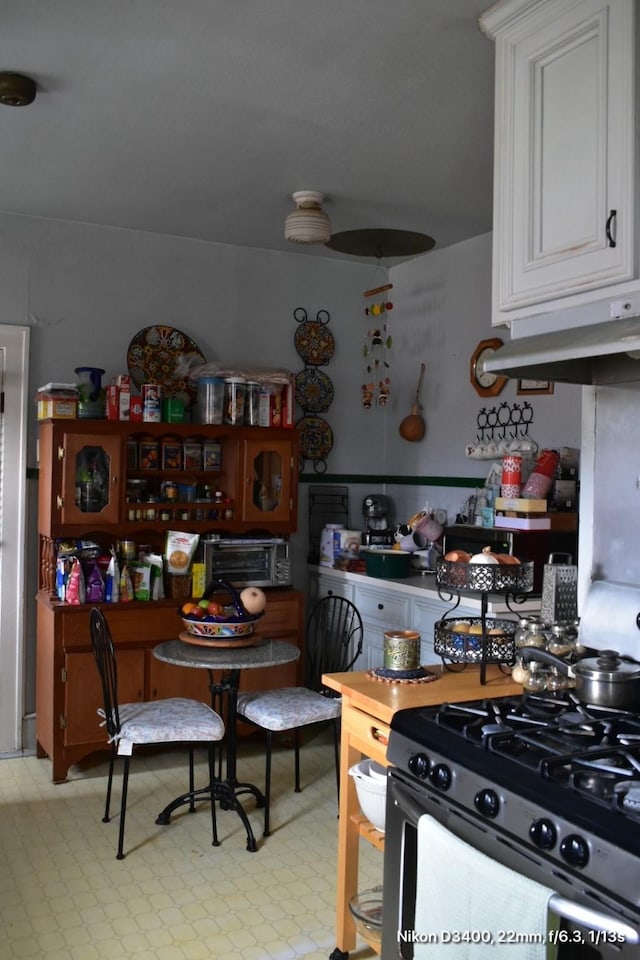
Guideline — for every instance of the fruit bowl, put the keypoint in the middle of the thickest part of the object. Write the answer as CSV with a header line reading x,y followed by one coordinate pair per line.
x,y
232,621
219,627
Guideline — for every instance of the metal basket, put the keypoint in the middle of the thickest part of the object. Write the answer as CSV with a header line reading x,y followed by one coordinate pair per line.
x,y
464,647
485,577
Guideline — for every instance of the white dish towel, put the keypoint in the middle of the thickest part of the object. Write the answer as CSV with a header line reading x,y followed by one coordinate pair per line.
x,y
461,891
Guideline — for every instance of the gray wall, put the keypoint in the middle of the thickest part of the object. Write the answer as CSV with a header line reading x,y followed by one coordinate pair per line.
x,y
86,291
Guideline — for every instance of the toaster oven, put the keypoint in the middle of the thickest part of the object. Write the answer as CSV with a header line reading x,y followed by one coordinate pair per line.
x,y
248,562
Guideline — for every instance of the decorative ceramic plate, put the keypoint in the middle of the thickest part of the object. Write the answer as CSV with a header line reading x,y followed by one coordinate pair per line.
x,y
314,343
314,390
316,438
153,357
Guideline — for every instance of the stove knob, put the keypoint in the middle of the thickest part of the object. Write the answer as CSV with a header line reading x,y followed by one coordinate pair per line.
x,y
543,833
419,765
487,803
574,850
440,776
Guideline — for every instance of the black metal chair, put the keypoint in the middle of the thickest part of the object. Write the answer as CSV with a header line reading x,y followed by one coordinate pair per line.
x,y
174,719
333,643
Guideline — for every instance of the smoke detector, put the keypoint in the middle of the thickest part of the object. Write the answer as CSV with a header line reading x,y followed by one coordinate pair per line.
x,y
16,90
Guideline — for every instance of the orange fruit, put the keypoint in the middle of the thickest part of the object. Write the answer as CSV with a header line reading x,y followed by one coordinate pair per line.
x,y
189,608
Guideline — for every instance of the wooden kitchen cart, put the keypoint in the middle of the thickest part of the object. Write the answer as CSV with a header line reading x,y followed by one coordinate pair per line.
x,y
87,472
367,708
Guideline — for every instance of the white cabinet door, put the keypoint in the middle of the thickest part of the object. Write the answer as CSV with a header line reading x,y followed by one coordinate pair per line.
x,y
564,217
381,609
328,585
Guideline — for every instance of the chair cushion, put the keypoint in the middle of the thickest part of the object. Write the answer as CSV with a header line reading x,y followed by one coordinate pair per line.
x,y
287,708
165,721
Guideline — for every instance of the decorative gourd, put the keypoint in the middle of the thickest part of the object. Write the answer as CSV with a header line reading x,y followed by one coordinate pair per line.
x,y
486,556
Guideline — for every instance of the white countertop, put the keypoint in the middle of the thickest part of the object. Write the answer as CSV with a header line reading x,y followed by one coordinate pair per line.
x,y
425,587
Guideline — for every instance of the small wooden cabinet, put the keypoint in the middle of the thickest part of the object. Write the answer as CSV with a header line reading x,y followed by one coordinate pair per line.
x,y
565,156
89,473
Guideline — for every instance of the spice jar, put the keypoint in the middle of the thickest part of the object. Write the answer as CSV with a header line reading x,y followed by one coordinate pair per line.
x,y
560,644
533,635
536,681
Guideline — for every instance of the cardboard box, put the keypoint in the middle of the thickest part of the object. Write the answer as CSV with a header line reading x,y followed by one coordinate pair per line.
x,y
521,505
124,404
57,408
135,409
522,523
113,401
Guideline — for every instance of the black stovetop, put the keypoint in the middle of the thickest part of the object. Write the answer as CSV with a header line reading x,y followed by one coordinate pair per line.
x,y
582,762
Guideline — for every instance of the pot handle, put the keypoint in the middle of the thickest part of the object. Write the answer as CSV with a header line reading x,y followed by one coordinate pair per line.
x,y
543,656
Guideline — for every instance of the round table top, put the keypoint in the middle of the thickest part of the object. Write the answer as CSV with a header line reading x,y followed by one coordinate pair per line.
x,y
269,653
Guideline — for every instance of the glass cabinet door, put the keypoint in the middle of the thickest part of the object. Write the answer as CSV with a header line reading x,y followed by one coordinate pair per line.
x,y
90,479
267,488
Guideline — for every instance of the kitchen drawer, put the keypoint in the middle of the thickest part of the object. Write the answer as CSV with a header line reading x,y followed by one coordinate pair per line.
x,y
367,734
160,622
382,607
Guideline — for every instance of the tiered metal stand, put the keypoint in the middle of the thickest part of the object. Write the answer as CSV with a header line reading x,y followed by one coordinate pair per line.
x,y
462,640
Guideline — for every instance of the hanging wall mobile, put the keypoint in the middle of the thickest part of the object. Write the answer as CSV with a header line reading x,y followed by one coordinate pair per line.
x,y
313,388
376,386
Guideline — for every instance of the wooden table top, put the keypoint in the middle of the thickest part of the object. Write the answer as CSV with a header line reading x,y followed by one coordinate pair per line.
x,y
382,700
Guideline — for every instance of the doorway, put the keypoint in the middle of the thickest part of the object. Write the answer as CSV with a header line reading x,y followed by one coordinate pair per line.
x,y
14,378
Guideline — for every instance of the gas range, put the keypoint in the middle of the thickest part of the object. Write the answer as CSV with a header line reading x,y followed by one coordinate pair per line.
x,y
553,775
543,784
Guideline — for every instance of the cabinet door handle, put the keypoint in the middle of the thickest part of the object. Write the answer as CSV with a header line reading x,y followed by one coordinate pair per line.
x,y
610,221
381,606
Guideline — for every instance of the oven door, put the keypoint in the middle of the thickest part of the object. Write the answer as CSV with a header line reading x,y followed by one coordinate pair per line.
x,y
586,933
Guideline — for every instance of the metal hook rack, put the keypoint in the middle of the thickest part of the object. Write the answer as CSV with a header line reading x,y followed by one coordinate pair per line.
x,y
507,421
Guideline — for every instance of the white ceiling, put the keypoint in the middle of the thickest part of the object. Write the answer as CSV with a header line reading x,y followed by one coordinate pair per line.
x,y
199,118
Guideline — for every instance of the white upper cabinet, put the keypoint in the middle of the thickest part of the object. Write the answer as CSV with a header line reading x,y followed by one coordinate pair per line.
x,y
564,218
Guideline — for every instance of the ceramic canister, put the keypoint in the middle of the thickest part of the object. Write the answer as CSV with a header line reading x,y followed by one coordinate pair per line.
x,y
401,650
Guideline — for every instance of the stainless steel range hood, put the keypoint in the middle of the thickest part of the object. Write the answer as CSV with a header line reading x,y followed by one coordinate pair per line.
x,y
597,354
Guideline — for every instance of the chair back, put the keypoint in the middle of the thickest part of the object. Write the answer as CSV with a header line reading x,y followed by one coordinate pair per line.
x,y
333,640
103,651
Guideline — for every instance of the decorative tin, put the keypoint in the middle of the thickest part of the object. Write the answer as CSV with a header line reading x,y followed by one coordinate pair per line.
x,y
151,402
401,650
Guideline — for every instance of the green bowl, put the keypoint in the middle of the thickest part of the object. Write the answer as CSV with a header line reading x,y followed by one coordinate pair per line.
x,y
387,564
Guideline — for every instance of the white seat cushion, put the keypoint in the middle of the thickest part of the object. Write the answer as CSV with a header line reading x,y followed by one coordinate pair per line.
x,y
170,720
287,708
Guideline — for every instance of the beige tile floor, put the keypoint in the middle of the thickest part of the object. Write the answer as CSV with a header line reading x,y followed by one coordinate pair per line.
x,y
64,896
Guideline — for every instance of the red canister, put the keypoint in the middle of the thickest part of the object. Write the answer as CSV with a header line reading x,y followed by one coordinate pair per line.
x,y
541,477
511,476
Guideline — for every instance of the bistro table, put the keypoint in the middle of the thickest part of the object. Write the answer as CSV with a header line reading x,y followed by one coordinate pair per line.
x,y
230,661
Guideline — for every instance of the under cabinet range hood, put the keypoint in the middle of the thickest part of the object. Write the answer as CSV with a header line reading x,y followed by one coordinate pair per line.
x,y
602,353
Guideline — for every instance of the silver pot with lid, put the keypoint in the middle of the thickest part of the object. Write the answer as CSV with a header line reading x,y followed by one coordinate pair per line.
x,y
607,680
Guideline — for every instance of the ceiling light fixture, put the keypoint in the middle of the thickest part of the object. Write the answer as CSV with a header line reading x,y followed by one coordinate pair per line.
x,y
16,90
308,223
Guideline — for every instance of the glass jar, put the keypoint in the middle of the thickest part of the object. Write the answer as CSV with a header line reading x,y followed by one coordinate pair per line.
x,y
252,404
535,634
210,402
536,681
560,644
234,391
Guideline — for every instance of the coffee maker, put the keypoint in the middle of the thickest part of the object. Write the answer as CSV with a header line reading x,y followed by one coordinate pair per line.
x,y
376,510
